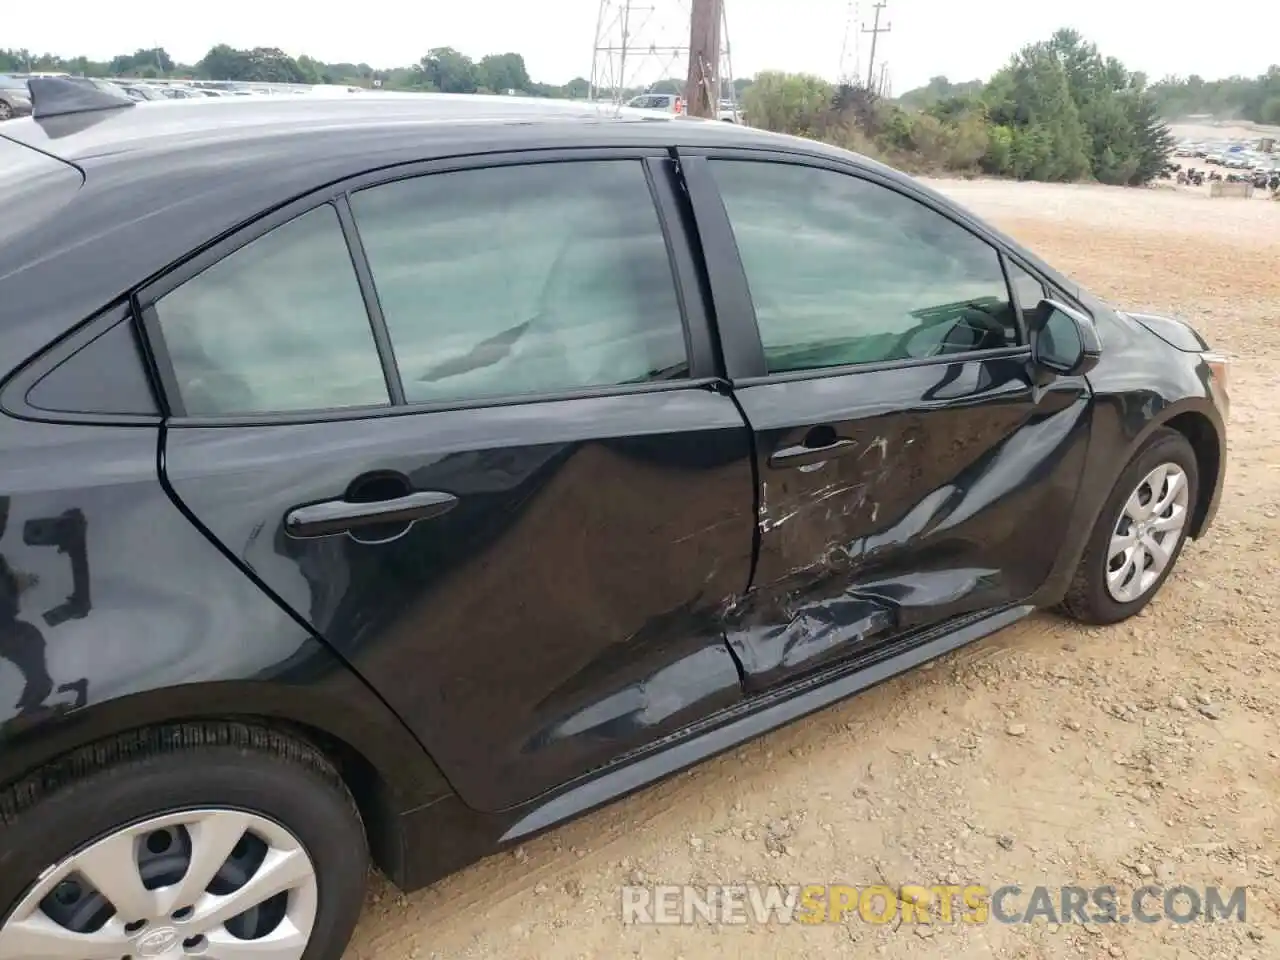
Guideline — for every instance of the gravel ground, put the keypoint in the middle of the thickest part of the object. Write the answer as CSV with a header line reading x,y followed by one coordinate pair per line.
x,y
1047,754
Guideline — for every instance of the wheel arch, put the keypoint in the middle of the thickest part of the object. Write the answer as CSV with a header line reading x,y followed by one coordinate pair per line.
x,y
1199,422
386,770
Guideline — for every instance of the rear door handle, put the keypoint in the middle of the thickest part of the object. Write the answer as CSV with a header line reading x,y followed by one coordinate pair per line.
x,y
342,516
802,455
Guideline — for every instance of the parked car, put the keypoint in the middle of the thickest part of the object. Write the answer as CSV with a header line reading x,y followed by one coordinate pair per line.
x,y
371,481
15,99
664,102
728,111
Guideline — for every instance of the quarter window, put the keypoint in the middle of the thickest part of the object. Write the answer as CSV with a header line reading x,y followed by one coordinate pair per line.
x,y
845,271
279,325
523,279
1029,292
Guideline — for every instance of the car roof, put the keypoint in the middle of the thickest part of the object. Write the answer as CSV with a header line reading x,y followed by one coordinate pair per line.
x,y
176,126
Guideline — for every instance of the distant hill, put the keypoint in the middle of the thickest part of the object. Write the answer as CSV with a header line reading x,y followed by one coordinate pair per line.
x,y
939,88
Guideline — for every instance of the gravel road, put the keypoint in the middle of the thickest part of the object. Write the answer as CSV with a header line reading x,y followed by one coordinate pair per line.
x,y
1047,754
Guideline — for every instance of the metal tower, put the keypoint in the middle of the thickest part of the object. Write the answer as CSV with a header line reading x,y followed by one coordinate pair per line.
x,y
640,42
850,67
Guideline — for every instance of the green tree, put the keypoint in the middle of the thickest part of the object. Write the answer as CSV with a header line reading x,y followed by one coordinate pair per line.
x,y
223,62
447,70
501,72
155,60
1032,96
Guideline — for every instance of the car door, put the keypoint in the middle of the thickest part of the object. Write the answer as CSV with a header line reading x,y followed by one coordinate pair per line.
x,y
914,470
467,423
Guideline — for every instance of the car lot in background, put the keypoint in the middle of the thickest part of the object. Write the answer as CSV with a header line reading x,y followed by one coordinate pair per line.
x,y
410,497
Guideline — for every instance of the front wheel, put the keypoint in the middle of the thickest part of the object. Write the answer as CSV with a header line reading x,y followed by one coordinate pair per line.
x,y
217,841
1140,533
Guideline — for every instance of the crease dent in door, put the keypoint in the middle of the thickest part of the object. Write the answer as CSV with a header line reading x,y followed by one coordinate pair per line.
x,y
855,593
563,614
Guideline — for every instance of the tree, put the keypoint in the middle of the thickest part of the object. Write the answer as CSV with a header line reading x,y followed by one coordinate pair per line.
x,y
223,62
1032,97
447,70
501,72
261,65
156,60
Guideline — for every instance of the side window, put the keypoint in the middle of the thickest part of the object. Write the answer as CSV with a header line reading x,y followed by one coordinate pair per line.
x,y
279,325
523,279
844,271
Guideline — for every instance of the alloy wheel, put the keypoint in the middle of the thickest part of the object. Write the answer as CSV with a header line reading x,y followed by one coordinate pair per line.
x,y
215,884
1147,533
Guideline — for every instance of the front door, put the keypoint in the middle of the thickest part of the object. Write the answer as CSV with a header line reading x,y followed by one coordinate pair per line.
x,y
522,535
910,471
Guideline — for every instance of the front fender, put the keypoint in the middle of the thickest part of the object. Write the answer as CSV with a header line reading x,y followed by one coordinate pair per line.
x,y
1141,385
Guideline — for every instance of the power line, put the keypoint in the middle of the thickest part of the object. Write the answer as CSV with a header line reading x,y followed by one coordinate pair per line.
x,y
875,32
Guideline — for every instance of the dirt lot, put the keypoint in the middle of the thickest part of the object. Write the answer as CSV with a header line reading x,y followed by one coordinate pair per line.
x,y
1047,754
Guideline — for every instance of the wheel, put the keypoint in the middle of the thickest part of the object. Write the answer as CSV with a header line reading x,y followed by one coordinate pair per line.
x,y
220,841
1139,534
6,111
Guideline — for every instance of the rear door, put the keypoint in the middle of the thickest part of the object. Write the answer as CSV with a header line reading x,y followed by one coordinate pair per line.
x,y
467,423
911,472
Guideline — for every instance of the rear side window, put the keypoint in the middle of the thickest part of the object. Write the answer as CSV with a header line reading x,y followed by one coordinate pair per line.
x,y
524,279
279,325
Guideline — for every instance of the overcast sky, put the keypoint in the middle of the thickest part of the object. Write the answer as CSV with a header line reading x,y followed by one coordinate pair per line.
x,y
955,38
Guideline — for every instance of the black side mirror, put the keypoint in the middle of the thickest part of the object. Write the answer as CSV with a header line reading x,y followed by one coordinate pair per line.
x,y
1063,340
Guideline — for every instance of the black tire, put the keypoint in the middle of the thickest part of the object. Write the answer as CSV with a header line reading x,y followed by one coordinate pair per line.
x,y
6,111
1088,599
96,791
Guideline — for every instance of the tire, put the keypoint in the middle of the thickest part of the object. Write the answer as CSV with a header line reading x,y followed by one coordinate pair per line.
x,y
214,781
1091,598
6,111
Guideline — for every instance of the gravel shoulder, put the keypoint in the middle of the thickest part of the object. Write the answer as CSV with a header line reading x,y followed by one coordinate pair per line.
x,y
1047,754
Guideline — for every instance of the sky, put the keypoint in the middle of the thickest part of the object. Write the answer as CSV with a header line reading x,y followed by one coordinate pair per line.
x,y
959,39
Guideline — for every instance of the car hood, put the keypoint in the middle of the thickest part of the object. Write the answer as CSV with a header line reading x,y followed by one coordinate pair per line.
x,y
1176,333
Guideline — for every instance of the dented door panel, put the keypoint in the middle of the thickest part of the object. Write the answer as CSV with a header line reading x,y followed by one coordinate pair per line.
x,y
947,495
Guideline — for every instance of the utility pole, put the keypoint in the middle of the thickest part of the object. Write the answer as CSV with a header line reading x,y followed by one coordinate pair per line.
x,y
875,32
702,88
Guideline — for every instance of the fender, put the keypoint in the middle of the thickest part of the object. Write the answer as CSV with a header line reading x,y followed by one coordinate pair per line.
x,y
1118,434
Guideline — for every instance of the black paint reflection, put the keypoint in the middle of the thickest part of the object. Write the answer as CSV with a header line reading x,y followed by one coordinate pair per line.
x,y
21,642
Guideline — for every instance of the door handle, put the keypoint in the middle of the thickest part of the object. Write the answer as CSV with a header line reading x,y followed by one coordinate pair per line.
x,y
342,516
803,455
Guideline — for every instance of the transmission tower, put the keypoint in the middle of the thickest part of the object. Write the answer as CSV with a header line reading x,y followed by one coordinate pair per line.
x,y
850,48
641,42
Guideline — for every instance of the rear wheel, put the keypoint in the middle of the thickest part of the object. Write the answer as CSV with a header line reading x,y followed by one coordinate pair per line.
x,y
1140,533
245,844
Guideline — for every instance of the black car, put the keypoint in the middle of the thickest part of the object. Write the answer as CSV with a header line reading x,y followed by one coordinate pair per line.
x,y
412,473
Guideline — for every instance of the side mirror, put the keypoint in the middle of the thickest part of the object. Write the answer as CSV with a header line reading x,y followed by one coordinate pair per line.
x,y
1063,340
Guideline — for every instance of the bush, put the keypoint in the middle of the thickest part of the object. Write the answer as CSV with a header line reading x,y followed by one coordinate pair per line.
x,y
1057,111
